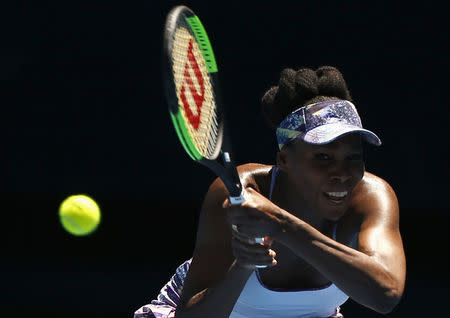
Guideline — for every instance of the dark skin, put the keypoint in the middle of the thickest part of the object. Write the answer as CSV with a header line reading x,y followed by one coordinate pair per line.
x,y
316,187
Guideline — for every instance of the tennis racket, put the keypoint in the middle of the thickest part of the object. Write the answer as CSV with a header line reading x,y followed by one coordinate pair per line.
x,y
192,92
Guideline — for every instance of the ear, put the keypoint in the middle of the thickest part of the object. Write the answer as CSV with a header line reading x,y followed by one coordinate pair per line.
x,y
282,160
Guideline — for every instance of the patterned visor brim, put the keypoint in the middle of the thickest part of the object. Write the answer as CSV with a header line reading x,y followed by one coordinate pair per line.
x,y
323,122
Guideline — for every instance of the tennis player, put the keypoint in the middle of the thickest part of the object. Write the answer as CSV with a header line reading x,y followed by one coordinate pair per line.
x,y
331,228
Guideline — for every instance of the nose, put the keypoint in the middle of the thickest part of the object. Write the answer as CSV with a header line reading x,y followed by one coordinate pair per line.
x,y
340,178
340,172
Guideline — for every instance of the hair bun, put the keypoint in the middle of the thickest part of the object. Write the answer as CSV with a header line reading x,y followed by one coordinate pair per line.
x,y
299,88
331,83
277,101
306,85
286,84
270,107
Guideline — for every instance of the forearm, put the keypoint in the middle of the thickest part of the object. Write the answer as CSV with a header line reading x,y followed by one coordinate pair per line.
x,y
217,301
359,275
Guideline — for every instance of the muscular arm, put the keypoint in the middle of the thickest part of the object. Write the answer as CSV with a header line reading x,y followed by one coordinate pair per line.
x,y
374,274
214,282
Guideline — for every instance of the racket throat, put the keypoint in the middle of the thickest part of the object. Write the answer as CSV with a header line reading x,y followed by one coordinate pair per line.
x,y
234,187
239,199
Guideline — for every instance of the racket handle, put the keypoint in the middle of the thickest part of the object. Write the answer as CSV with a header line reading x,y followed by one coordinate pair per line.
x,y
240,199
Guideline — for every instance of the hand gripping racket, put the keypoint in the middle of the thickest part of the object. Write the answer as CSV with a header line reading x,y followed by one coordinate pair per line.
x,y
192,92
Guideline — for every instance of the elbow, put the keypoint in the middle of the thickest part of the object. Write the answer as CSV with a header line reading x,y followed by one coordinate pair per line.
x,y
388,293
387,296
388,302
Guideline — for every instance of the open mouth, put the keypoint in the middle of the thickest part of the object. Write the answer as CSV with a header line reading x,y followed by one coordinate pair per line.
x,y
336,197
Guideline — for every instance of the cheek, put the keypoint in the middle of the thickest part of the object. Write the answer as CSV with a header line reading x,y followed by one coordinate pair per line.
x,y
357,171
308,180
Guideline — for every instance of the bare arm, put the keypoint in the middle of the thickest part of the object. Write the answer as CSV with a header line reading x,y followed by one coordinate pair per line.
x,y
215,280
374,274
217,300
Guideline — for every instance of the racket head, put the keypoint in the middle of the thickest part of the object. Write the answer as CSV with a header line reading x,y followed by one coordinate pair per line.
x,y
191,85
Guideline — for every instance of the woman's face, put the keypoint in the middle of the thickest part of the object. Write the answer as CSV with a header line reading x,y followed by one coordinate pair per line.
x,y
325,176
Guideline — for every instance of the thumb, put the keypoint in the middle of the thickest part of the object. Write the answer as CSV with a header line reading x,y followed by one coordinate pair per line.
x,y
226,203
267,241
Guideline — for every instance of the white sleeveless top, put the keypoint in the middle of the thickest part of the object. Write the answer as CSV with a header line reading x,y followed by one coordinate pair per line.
x,y
259,301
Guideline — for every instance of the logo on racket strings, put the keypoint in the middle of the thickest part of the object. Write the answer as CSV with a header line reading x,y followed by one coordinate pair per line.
x,y
197,97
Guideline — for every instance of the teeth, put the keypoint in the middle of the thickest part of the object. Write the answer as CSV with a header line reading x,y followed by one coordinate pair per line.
x,y
337,194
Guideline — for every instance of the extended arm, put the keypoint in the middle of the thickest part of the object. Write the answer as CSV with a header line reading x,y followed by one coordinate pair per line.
x,y
374,273
215,280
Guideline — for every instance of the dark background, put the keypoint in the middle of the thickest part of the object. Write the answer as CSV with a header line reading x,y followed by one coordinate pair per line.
x,y
83,112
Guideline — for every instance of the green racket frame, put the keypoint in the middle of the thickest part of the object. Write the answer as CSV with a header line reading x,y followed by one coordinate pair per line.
x,y
185,17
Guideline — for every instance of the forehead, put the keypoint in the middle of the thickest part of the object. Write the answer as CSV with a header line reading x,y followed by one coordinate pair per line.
x,y
350,142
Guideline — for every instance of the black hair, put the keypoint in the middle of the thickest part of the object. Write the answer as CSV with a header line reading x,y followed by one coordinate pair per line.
x,y
299,88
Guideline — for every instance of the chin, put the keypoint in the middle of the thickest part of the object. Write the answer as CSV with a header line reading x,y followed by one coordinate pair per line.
x,y
335,216
334,213
334,209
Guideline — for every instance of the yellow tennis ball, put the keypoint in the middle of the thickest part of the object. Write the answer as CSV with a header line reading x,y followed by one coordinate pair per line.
x,y
79,215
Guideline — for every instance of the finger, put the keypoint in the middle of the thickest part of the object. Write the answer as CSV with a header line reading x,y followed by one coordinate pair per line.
x,y
245,238
252,248
251,255
266,260
248,222
226,204
258,229
248,258
267,241
264,241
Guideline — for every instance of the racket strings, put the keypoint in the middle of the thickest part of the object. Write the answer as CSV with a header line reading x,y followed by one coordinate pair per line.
x,y
195,93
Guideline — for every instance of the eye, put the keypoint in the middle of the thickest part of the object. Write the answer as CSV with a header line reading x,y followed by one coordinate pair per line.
x,y
322,156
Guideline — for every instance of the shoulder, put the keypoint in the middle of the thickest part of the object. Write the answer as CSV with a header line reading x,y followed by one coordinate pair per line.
x,y
379,230
372,187
373,210
374,183
375,199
